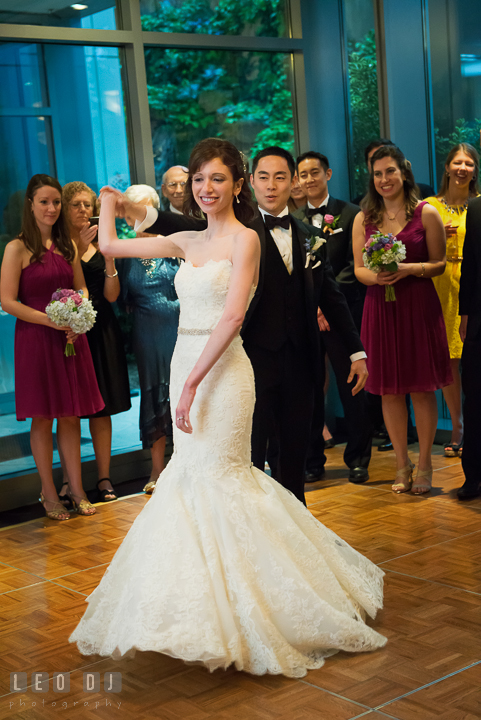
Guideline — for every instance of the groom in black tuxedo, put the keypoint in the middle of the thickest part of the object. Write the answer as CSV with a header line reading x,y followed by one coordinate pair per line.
x,y
314,174
470,331
280,331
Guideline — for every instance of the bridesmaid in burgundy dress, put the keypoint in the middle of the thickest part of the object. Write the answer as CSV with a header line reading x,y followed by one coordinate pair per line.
x,y
48,384
405,340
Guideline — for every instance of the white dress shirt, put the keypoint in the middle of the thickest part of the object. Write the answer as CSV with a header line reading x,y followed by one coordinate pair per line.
x,y
283,239
317,220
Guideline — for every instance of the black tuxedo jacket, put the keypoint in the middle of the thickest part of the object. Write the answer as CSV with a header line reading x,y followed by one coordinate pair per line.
x,y
339,247
320,287
470,284
168,223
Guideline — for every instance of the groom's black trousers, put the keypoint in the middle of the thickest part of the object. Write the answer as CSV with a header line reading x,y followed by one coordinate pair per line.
x,y
284,382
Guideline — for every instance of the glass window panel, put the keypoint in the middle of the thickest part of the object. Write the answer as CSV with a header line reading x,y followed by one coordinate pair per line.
x,y
268,18
100,14
455,37
22,82
90,129
243,97
362,75
80,135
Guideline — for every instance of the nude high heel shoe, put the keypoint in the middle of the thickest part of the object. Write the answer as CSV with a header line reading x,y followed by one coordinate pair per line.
x,y
58,512
425,486
406,475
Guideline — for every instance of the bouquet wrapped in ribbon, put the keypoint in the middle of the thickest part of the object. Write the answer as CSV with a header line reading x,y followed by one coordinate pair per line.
x,y
382,253
68,308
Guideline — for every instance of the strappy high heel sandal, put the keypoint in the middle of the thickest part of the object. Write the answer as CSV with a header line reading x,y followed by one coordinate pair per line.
x,y
65,498
150,487
453,449
83,507
406,475
56,512
421,488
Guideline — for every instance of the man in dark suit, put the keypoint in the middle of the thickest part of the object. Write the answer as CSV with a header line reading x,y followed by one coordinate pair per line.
x,y
314,174
280,330
470,331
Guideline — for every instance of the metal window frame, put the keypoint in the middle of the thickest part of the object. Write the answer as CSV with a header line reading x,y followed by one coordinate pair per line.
x,y
131,41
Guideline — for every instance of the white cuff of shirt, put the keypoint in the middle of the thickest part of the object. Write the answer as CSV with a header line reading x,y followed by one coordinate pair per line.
x,y
361,355
150,217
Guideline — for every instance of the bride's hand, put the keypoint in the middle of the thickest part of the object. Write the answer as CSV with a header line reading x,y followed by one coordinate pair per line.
x,y
182,413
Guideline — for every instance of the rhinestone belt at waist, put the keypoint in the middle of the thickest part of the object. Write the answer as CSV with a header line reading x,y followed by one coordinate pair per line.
x,y
193,331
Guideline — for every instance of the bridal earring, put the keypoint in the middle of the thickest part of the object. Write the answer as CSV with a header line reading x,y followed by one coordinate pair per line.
x,y
237,198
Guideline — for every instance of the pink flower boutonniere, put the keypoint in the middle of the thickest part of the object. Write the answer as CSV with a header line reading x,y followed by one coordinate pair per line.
x,y
330,223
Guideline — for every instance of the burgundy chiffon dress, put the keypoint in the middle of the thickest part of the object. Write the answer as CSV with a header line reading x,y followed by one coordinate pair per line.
x,y
405,340
47,383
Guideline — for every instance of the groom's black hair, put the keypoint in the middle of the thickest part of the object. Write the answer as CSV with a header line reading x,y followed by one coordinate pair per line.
x,y
275,150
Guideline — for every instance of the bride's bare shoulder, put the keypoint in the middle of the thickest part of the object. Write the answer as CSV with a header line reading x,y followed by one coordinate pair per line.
x,y
247,237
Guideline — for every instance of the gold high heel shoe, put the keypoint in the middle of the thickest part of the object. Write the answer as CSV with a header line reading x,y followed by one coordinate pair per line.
x,y
55,514
406,473
150,487
83,507
423,487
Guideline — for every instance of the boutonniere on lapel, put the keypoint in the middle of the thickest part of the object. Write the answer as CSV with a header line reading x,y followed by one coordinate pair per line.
x,y
313,244
330,223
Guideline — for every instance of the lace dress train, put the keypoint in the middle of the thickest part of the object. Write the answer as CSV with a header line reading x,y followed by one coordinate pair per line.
x,y
224,565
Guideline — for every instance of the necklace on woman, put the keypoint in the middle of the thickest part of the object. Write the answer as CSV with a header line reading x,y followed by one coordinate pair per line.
x,y
455,209
394,216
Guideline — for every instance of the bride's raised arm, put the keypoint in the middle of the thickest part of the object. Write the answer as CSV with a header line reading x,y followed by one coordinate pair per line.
x,y
142,247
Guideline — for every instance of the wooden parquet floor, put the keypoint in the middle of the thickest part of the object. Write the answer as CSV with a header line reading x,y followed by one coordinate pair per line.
x,y
429,547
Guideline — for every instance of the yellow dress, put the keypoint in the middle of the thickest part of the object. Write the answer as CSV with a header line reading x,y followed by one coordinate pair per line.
x,y
447,284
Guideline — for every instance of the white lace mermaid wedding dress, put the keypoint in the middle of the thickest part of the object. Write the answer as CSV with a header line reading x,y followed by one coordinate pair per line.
x,y
224,565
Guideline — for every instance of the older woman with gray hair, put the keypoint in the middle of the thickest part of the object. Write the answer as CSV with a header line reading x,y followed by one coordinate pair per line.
x,y
148,291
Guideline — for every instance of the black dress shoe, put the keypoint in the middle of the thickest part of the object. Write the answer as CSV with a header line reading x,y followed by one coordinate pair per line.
x,y
385,446
358,475
468,492
315,475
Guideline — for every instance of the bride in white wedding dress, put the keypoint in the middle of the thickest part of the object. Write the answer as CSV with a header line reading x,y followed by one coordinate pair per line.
x,y
223,565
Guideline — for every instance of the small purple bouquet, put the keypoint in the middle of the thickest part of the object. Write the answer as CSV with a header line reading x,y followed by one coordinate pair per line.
x,y
382,253
69,308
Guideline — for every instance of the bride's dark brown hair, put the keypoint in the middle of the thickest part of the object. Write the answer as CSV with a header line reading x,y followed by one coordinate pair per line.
x,y
373,204
30,234
210,149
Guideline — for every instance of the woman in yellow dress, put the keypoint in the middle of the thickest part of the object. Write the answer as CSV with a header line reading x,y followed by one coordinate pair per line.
x,y
459,184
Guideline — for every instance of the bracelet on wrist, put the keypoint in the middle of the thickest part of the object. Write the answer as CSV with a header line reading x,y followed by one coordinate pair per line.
x,y
111,276
422,268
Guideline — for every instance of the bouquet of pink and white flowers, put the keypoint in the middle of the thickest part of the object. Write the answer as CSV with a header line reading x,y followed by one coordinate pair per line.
x,y
69,308
382,253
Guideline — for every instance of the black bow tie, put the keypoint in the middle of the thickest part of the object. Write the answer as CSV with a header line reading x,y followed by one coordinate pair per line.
x,y
316,211
273,222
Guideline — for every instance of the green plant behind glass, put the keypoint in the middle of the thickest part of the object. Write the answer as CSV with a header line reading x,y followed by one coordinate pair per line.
x,y
362,68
